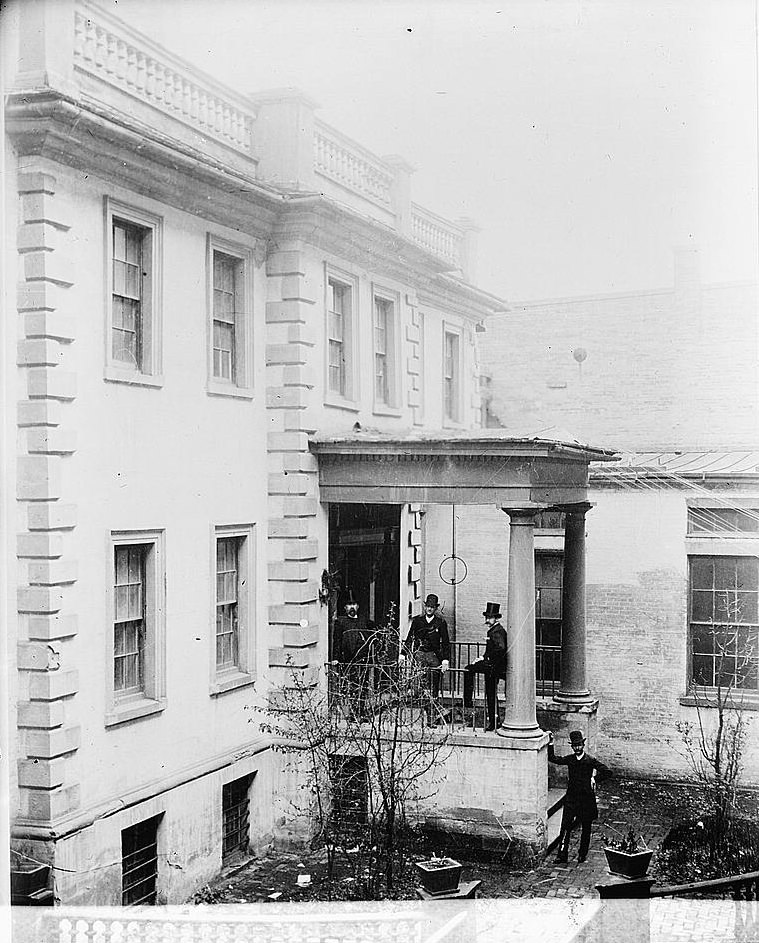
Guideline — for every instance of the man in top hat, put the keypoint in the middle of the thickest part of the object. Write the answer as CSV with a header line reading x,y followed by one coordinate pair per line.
x,y
580,799
351,633
429,645
492,664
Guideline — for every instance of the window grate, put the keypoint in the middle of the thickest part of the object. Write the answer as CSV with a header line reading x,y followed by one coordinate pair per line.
x,y
235,803
139,863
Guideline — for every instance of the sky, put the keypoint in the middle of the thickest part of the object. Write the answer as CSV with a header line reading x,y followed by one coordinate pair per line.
x,y
587,138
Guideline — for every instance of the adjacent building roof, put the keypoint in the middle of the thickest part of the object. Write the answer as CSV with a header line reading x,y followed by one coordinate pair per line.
x,y
682,464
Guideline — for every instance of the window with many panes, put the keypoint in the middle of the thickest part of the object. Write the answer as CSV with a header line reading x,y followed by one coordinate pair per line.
x,y
230,350
139,863
133,343
384,333
339,331
233,635
136,680
549,570
235,810
451,376
227,601
724,622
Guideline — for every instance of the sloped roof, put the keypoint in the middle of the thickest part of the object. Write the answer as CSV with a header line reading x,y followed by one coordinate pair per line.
x,y
686,464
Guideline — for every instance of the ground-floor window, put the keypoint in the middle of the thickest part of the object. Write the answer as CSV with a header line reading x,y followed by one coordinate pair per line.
x,y
350,788
139,862
549,568
724,622
235,805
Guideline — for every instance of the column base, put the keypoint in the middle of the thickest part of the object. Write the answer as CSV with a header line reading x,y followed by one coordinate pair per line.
x,y
574,697
520,732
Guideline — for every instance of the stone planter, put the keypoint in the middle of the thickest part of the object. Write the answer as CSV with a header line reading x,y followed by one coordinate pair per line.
x,y
28,878
439,875
627,864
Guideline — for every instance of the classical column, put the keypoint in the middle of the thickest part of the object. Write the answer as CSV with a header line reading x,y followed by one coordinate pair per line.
x,y
520,720
573,688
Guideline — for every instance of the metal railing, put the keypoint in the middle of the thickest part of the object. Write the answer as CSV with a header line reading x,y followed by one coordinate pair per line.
x,y
734,887
547,664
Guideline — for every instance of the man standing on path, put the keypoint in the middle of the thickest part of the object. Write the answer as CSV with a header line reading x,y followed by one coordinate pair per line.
x,y
429,645
580,799
492,664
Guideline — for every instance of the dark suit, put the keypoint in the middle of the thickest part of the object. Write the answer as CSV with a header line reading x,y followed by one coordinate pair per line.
x,y
492,665
429,645
351,639
580,799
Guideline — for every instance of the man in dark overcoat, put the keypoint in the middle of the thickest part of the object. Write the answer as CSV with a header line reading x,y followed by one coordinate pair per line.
x,y
428,643
352,636
492,664
580,799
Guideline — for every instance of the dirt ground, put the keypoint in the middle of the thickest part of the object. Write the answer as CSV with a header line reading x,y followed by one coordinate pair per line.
x,y
651,808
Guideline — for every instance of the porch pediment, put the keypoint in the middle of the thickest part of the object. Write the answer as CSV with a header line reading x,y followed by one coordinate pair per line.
x,y
445,467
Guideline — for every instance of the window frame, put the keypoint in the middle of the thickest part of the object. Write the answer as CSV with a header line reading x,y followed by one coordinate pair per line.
x,y
243,673
453,331
241,386
151,699
349,398
393,346
148,372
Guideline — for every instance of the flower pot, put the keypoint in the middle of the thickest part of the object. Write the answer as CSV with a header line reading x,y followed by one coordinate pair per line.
x,y
439,875
27,878
628,865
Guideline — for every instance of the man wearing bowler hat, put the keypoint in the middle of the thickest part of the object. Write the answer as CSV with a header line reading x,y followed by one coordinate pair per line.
x,y
492,664
429,645
580,800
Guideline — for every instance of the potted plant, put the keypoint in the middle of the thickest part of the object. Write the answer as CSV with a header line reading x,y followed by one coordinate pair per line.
x,y
439,875
628,856
27,875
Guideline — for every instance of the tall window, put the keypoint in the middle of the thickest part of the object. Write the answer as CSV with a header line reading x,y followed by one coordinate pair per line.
x,y
235,810
225,296
233,637
129,620
227,601
230,314
339,297
451,381
136,681
382,316
724,622
548,588
133,346
126,326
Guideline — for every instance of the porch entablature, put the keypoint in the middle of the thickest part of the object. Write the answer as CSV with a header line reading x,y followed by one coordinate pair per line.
x,y
450,468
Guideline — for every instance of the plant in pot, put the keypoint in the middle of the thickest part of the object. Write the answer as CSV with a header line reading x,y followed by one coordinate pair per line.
x,y
627,856
439,875
27,875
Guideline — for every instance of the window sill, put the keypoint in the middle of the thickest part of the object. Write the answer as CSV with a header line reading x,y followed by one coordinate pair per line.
x,y
132,378
346,404
387,411
750,702
134,710
230,681
229,390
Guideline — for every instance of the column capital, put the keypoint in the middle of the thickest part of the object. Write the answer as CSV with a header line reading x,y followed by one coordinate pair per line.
x,y
582,507
523,516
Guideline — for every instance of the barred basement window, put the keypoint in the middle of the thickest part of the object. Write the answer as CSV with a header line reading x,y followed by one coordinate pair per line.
x,y
139,863
235,805
724,621
350,788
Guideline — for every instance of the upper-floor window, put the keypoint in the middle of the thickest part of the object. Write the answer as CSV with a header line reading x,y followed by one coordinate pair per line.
x,y
133,345
234,608
385,351
723,521
230,366
340,331
451,376
227,601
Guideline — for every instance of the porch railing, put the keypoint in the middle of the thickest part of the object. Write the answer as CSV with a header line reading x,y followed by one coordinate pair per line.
x,y
547,664
734,887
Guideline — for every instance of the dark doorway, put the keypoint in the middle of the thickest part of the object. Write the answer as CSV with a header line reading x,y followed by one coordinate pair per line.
x,y
364,556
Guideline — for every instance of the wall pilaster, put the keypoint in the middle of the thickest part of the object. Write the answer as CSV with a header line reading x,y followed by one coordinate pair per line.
x,y
48,739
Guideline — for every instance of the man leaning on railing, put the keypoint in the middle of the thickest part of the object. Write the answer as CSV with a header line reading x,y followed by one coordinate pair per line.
x,y
429,645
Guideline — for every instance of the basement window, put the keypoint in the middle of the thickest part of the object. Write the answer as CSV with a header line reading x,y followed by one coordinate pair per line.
x,y
139,863
235,806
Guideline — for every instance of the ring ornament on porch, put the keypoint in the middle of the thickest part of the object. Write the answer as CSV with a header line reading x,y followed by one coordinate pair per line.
x,y
628,857
453,570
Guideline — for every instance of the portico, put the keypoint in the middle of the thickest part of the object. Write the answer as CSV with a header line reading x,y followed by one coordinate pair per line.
x,y
522,477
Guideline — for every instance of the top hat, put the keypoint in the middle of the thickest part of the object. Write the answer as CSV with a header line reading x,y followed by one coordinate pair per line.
x,y
349,599
576,738
492,610
432,600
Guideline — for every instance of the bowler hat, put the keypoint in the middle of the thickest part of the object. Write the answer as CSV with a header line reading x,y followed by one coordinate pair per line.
x,y
432,600
576,738
492,610
349,599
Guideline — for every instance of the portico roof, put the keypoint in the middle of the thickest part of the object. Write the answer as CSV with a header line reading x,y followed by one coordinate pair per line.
x,y
454,467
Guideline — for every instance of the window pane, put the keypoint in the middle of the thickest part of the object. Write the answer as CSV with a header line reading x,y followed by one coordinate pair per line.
x,y
746,607
724,572
703,670
702,572
747,573
550,632
703,640
550,603
702,605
